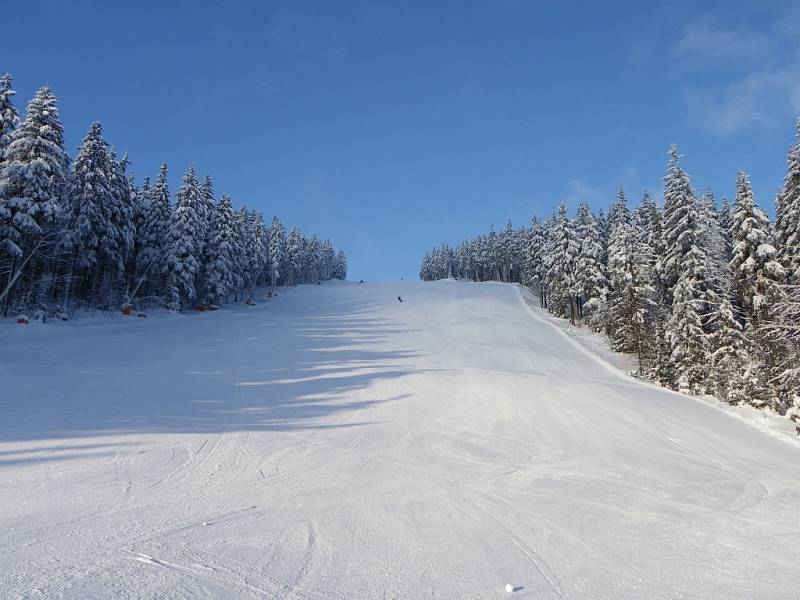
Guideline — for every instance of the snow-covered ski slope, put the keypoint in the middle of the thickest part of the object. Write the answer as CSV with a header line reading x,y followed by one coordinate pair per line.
x,y
336,443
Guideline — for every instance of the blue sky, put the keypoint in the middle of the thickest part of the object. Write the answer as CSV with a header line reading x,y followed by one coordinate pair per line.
x,y
393,126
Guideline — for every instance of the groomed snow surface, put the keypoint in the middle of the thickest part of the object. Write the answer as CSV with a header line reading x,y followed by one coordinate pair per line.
x,y
336,443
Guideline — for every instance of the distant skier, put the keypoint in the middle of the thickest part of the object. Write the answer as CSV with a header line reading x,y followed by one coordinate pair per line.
x,y
399,298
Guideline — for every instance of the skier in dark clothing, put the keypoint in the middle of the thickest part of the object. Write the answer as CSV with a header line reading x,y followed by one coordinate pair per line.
x,y
399,298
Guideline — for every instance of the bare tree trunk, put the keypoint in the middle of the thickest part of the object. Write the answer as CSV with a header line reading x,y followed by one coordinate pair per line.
x,y
15,274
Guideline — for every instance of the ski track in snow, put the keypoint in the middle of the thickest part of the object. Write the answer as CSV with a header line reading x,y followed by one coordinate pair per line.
x,y
335,443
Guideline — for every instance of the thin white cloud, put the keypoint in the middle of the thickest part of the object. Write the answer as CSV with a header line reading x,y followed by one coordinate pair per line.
x,y
788,24
736,79
580,191
702,43
760,98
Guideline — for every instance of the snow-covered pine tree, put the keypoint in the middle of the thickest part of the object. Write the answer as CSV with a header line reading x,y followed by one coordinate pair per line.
x,y
561,259
207,205
533,257
783,330
602,226
518,250
683,279
550,288
183,248
277,250
286,264
207,209
312,267
475,254
444,262
240,264
340,271
690,351
787,211
716,242
206,212
474,260
678,199
478,258
237,262
507,254
426,272
142,199
724,218
629,315
322,260
652,226
294,253
9,116
465,266
257,250
92,240
758,281
650,222
491,256
660,368
153,252
328,258
690,348
33,181
101,222
122,219
617,214
545,290
731,376
220,277
460,261
783,334
590,271
756,273
9,119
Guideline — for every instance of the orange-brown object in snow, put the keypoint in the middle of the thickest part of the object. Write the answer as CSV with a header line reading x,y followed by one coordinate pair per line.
x,y
207,307
127,309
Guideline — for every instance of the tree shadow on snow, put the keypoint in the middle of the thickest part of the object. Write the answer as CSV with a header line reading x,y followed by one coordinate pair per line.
x,y
296,368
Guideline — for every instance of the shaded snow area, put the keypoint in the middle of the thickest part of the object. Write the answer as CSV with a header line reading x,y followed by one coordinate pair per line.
x,y
336,443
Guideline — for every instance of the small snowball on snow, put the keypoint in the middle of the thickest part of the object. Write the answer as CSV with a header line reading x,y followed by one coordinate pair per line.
x,y
509,588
